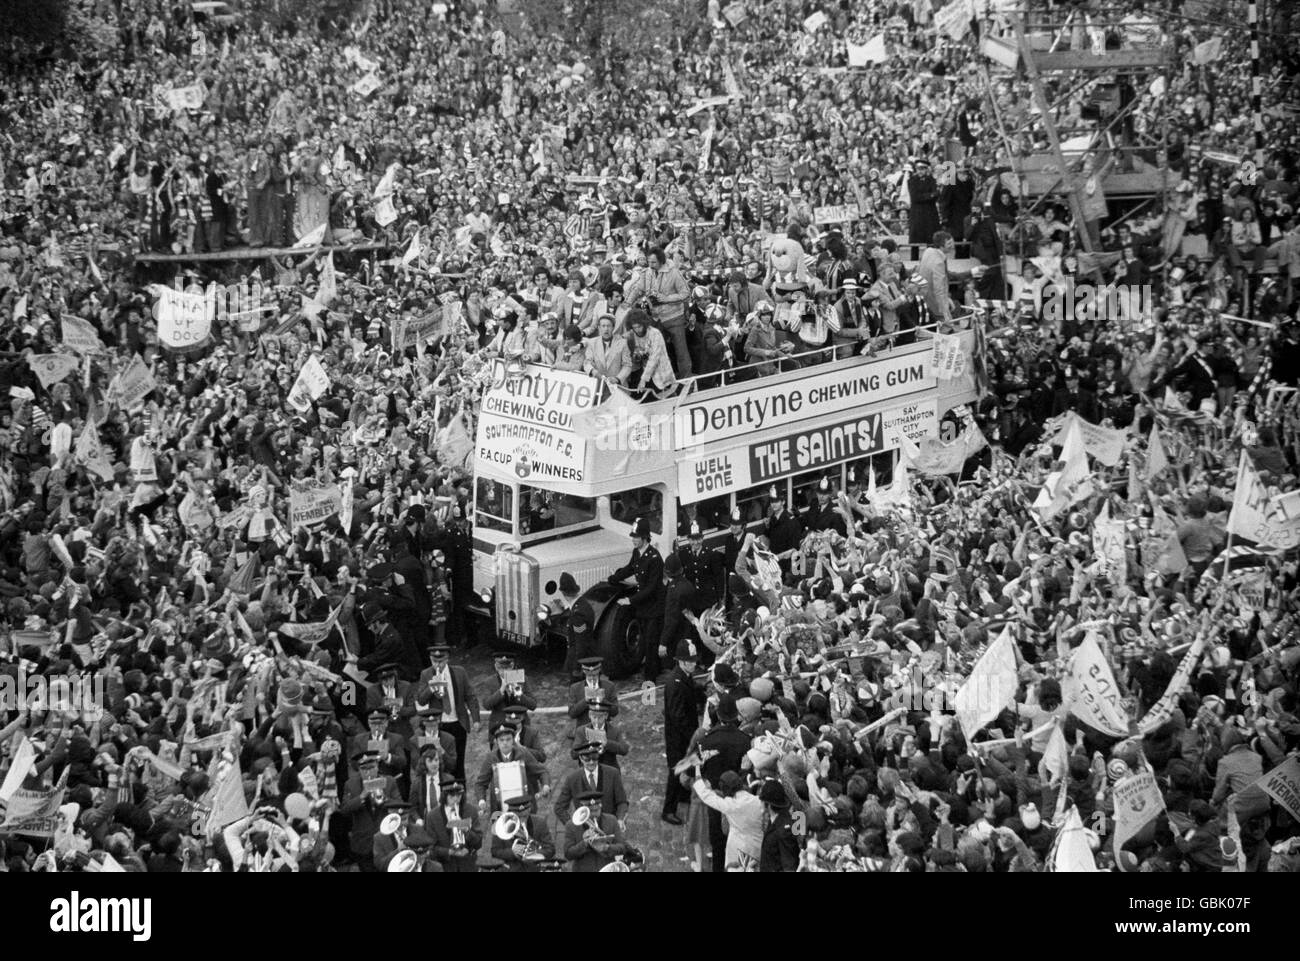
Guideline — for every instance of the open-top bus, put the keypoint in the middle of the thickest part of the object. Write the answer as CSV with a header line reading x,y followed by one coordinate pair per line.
x,y
564,464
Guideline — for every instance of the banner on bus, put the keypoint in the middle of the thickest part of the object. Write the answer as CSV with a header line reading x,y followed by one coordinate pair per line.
x,y
526,425
764,406
750,465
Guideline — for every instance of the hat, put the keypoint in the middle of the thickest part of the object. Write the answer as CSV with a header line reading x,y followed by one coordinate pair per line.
x,y
695,533
380,571
599,702
673,566
519,801
641,528
366,757
590,749
378,714
761,689
449,784
502,656
727,710
589,796
735,519
503,728
724,675
515,711
591,663
1030,817
685,651
439,650
749,709
567,584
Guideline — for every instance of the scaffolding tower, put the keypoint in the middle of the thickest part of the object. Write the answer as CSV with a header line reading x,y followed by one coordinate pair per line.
x,y
1094,160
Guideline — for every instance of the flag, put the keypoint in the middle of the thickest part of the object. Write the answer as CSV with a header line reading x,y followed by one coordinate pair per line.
x,y
1156,458
414,250
1253,516
35,811
20,308
729,81
226,799
1282,784
1071,851
815,21
1138,802
1162,551
1056,757
245,578
1070,481
1208,51
52,368
990,687
1091,691
1163,709
453,443
24,760
312,238
90,453
311,383
385,185
81,336
328,288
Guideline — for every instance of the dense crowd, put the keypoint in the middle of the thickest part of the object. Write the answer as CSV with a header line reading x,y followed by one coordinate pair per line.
x,y
278,696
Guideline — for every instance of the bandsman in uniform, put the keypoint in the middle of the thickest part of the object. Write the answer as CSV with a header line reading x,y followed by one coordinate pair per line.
x,y
505,750
646,567
606,842
591,686
513,852
506,695
598,727
462,857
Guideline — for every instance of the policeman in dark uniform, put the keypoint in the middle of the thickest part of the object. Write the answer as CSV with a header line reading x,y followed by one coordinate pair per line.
x,y
458,549
647,568
683,702
731,546
582,638
680,598
703,568
783,530
822,515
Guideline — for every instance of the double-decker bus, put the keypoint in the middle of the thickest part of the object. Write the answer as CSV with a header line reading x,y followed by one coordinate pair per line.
x,y
564,464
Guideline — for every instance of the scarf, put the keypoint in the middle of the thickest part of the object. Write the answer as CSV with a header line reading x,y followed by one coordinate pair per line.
x,y
327,780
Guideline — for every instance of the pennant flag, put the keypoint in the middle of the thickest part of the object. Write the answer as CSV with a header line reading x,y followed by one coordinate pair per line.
x,y
815,21
1071,851
386,213
134,383
35,811
1091,692
24,760
1156,457
245,579
990,687
90,453
1208,51
414,250
1162,551
1253,516
385,185
328,289
52,368
1138,802
729,82
347,501
81,336
1282,784
313,237
20,308
312,382
1056,757
1071,481
227,803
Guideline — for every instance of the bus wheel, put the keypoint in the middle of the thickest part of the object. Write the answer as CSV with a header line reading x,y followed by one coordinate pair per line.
x,y
621,644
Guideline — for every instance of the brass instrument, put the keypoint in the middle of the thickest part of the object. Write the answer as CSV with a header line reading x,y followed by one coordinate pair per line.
x,y
511,827
403,862
582,818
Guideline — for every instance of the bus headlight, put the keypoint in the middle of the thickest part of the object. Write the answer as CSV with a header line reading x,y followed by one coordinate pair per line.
x,y
485,596
543,615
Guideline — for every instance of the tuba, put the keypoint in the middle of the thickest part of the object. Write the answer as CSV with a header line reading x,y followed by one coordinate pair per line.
x,y
403,862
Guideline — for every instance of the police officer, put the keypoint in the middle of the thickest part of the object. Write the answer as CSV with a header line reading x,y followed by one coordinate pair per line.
x,y
582,638
680,598
703,568
647,568
458,550
731,546
783,530
822,515
683,702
